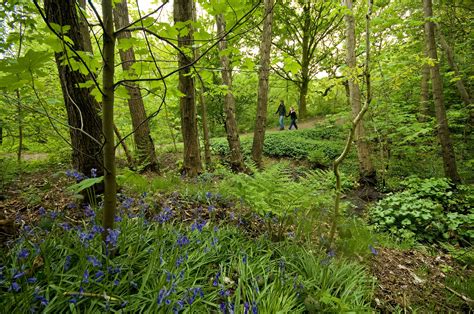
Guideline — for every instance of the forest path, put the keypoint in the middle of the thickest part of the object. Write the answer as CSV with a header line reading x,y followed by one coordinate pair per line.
x,y
305,124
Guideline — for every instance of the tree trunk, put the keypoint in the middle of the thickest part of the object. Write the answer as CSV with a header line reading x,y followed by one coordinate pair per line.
x,y
366,169
262,99
183,11
143,141
449,159
305,62
205,127
236,158
466,98
425,90
108,116
124,146
81,107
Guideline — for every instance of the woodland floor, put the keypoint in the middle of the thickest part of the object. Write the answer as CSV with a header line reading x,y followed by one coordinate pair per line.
x,y
406,279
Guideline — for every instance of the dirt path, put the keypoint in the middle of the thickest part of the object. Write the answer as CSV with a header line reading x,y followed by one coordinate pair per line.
x,y
305,124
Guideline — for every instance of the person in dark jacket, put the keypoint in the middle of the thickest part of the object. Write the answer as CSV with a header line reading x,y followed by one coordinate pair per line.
x,y
281,112
293,117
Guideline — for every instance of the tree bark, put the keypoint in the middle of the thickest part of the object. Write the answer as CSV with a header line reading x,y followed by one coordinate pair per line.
x,y
262,98
143,141
183,11
466,98
108,117
425,90
366,169
81,107
449,159
305,61
236,158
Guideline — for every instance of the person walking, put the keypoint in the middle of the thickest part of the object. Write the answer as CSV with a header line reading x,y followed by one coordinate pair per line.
x,y
293,117
281,112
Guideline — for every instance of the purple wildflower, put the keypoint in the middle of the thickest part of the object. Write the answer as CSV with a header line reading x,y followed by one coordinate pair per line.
x,y
198,225
18,275
246,307
73,300
244,259
53,215
65,226
15,287
85,276
94,172
254,307
23,253
116,282
373,250
42,211
208,195
216,279
31,280
97,229
43,301
112,237
88,211
117,218
223,307
99,276
67,263
182,240
331,253
94,261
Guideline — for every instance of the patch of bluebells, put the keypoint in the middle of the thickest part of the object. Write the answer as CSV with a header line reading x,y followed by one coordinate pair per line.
x,y
65,226
67,263
198,225
128,202
215,283
192,294
165,215
75,174
94,261
23,254
182,240
88,211
112,237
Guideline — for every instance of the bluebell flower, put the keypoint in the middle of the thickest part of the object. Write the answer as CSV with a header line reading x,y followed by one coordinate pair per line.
x,y
15,287
31,280
42,211
373,250
331,253
223,307
113,270
208,195
117,218
94,261
123,304
43,301
73,300
128,202
18,275
162,295
112,236
244,259
198,225
254,307
94,172
54,214
116,282
65,226
216,279
99,276
88,211
214,241
97,229
182,240
224,292
216,229
179,261
67,263
71,205
85,276
23,254
246,307
210,208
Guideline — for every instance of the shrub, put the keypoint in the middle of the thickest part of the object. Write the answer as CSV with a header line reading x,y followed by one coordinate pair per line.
x,y
427,210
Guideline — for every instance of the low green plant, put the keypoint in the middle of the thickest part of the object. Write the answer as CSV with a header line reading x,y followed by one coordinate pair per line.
x,y
428,210
162,265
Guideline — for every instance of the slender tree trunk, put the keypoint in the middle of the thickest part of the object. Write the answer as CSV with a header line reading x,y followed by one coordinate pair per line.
x,y
203,107
124,146
81,107
236,158
108,116
143,141
366,168
262,98
205,127
183,11
425,90
357,119
20,125
466,98
449,159
305,62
